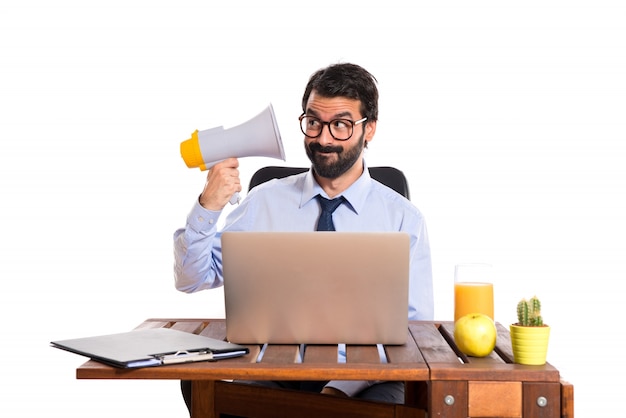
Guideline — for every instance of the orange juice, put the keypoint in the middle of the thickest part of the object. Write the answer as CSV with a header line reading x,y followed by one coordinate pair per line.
x,y
472,297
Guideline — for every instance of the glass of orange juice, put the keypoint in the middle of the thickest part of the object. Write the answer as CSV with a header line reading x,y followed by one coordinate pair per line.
x,y
473,289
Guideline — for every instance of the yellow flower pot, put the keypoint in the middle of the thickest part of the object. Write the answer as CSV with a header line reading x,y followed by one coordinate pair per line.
x,y
530,344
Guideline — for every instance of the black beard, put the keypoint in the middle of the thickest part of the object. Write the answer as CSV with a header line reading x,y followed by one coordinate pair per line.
x,y
331,170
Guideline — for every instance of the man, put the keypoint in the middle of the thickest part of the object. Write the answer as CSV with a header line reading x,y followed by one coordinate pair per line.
x,y
340,113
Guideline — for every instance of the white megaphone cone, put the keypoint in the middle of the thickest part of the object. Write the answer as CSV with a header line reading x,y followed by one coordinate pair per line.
x,y
257,137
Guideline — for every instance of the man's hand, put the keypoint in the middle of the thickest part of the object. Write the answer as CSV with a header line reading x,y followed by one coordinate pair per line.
x,y
221,183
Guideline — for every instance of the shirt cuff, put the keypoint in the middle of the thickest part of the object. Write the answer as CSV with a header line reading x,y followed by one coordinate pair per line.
x,y
201,219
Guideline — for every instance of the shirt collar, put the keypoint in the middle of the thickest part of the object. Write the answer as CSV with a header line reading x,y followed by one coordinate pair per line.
x,y
356,194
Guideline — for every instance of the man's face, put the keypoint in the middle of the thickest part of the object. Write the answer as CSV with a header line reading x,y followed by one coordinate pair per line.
x,y
330,157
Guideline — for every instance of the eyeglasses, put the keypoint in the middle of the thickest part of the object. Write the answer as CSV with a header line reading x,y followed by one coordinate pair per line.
x,y
340,129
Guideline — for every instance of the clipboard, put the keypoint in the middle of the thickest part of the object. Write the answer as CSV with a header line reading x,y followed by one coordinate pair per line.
x,y
151,347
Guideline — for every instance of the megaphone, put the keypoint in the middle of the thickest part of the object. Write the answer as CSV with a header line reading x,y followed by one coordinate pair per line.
x,y
257,137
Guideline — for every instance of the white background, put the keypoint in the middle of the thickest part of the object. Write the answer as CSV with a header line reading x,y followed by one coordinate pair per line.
x,y
507,117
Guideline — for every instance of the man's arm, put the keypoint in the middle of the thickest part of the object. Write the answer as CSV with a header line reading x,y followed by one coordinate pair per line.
x,y
196,253
421,297
195,268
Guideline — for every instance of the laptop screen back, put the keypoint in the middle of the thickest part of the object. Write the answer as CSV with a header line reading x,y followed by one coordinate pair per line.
x,y
316,287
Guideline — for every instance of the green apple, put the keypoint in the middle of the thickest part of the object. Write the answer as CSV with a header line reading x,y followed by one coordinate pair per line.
x,y
475,334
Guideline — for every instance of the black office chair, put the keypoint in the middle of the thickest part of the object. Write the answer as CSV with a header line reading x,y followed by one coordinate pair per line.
x,y
389,176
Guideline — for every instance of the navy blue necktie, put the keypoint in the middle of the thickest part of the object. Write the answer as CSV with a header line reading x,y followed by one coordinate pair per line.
x,y
325,222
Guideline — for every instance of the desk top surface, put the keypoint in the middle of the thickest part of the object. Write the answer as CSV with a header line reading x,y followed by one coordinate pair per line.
x,y
429,354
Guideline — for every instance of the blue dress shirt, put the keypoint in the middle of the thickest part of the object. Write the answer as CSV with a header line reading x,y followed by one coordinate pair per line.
x,y
289,204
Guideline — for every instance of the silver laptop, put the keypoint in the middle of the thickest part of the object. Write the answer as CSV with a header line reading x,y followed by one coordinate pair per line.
x,y
316,287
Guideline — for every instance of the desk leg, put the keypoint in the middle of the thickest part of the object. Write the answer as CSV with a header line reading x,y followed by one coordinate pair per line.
x,y
202,399
567,399
416,394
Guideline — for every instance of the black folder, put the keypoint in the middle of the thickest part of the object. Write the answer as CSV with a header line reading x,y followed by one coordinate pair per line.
x,y
151,347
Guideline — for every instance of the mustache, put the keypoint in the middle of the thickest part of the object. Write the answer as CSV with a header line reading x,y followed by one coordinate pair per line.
x,y
316,147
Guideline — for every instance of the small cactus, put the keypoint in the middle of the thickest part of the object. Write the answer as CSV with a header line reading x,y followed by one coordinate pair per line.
x,y
529,312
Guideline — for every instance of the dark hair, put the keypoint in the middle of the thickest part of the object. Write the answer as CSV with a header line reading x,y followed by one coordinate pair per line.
x,y
345,80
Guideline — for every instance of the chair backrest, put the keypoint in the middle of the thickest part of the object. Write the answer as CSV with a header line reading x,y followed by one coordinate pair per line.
x,y
389,176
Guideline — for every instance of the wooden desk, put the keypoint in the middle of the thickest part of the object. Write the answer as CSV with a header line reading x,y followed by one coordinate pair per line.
x,y
437,378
